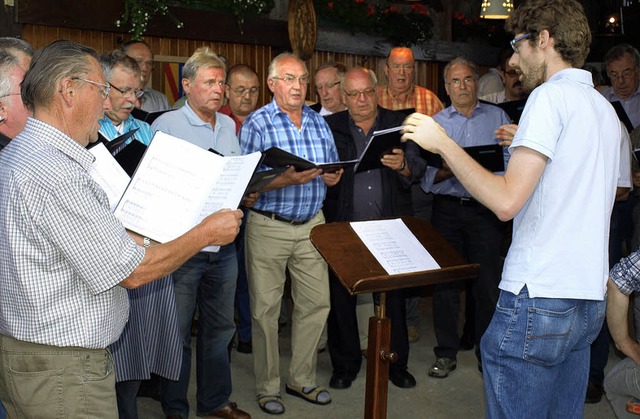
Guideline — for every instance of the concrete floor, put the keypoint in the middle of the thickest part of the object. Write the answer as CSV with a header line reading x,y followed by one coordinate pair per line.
x,y
461,395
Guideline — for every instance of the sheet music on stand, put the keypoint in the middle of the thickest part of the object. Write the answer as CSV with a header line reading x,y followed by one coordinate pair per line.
x,y
394,246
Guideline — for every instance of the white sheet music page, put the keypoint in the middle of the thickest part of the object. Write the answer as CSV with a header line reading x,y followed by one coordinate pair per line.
x,y
107,173
394,246
177,184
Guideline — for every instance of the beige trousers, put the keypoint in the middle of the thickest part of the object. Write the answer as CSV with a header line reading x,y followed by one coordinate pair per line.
x,y
271,246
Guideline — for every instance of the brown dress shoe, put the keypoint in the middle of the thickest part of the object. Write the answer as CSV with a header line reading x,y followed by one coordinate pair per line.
x,y
230,411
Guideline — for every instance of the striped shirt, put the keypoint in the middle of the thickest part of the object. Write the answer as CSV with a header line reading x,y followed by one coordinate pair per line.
x,y
269,127
110,132
62,252
151,341
421,99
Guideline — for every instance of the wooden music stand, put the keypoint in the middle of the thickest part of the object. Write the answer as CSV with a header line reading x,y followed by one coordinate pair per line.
x,y
340,246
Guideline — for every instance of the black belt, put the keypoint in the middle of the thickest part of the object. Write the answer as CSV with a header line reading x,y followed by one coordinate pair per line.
x,y
462,201
279,218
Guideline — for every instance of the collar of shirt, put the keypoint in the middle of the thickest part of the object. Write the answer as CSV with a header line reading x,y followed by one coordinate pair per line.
x,y
61,142
575,74
195,120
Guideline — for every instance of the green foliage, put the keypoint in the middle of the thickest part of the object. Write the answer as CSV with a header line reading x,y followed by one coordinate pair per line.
x,y
403,24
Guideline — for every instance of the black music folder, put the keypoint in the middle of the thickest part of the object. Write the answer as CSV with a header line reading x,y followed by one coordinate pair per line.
x,y
147,117
622,115
513,108
382,142
276,157
490,156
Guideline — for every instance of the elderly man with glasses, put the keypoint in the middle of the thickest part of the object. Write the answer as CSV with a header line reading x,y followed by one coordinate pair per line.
x,y
138,353
327,79
139,50
373,194
66,260
277,236
242,91
472,229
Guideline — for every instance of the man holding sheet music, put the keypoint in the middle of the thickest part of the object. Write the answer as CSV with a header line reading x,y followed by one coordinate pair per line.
x,y
277,236
472,229
368,195
208,279
150,342
66,260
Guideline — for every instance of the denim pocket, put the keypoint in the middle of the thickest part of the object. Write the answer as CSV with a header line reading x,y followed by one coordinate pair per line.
x,y
549,331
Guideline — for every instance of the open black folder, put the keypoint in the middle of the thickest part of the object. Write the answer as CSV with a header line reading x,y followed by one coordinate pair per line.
x,y
382,142
276,157
147,117
490,156
127,155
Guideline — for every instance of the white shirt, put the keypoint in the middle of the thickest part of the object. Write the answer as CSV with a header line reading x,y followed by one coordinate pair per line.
x,y
561,235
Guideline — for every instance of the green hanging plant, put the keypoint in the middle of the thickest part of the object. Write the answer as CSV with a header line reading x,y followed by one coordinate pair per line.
x,y
138,13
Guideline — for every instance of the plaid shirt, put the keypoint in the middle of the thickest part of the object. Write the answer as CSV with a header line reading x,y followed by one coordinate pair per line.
x,y
421,99
62,252
626,273
269,127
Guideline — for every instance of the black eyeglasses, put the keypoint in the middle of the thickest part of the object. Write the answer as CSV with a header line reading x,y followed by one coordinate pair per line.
x,y
515,41
355,94
241,91
127,91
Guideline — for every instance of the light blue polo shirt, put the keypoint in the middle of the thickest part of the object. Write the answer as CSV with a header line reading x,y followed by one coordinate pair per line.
x,y
185,124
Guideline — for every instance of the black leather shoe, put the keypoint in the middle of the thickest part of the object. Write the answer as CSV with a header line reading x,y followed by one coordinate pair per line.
x,y
594,392
341,380
401,378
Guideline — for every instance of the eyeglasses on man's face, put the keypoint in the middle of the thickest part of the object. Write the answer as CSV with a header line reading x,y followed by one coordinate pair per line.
x,y
514,41
327,86
241,91
289,80
458,82
397,68
128,91
625,75
355,94
142,63
103,92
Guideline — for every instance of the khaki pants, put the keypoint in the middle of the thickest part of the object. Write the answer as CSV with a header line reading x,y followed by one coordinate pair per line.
x,y
41,381
271,246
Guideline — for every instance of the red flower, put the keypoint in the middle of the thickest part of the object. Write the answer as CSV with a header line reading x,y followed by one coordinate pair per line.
x,y
458,16
330,5
393,9
370,10
359,1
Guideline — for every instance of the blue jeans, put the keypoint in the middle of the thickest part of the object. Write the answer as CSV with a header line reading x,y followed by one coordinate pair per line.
x,y
242,290
208,279
535,356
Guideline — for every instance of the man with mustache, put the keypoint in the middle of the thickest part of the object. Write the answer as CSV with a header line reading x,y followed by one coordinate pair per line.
x,y
512,85
207,279
560,186
328,77
242,91
467,225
